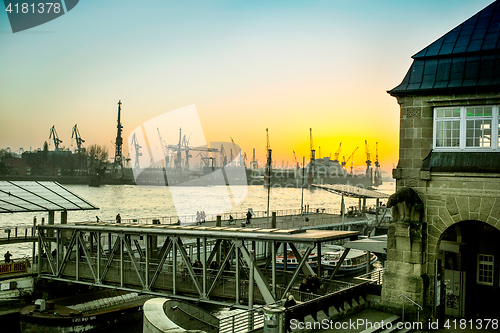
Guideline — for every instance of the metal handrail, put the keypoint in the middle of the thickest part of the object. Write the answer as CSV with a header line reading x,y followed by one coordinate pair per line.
x,y
375,277
242,322
415,303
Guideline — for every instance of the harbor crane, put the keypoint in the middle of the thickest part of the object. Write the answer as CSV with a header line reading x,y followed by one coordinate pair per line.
x,y
183,146
313,157
269,160
344,161
78,139
119,141
378,178
254,164
223,157
368,158
138,153
337,153
311,144
295,158
53,135
163,148
240,161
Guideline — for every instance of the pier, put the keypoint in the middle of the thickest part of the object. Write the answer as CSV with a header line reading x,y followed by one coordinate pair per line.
x,y
153,259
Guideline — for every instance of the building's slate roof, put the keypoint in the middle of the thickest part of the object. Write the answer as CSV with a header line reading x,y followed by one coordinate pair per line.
x,y
466,57
462,162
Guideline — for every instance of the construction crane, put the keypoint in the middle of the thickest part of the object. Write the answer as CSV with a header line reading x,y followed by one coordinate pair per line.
x,y
295,158
76,135
269,162
163,148
344,161
239,162
311,144
368,156
186,148
119,141
53,135
378,178
138,153
223,157
254,164
337,153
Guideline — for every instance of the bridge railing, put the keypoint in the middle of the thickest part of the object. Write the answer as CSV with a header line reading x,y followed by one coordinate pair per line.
x,y
17,232
242,322
224,216
375,277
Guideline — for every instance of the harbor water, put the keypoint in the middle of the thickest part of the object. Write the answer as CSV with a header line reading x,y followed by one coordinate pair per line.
x,y
136,202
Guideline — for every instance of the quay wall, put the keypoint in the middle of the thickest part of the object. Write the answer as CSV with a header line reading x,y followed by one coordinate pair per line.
x,y
449,199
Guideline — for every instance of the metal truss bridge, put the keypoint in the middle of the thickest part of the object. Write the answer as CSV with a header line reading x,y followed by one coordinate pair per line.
x,y
229,266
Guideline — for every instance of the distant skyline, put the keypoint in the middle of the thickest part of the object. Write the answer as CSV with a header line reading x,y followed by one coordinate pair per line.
x,y
246,65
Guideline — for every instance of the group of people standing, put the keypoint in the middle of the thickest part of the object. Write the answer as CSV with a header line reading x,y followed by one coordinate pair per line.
x,y
200,217
310,284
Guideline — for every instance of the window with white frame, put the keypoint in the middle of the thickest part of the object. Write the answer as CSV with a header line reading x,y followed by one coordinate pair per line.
x,y
467,128
485,269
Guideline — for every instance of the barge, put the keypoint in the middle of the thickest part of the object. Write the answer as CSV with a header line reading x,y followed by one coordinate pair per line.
x,y
82,313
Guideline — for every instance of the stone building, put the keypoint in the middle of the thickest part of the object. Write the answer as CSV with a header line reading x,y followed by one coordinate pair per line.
x,y
444,243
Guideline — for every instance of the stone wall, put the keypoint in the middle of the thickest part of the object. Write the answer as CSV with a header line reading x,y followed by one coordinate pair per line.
x,y
448,198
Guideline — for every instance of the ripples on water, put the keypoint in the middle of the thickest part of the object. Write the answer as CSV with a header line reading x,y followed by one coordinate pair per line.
x,y
134,202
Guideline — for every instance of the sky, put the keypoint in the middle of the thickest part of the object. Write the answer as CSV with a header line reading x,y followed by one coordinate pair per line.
x,y
246,65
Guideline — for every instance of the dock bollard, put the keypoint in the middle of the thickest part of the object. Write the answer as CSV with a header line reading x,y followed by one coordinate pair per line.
x,y
274,319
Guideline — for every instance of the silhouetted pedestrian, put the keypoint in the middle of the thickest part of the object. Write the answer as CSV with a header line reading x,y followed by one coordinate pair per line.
x,y
249,217
7,257
118,219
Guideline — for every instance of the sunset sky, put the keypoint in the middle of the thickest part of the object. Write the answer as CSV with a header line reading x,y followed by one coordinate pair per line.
x,y
246,65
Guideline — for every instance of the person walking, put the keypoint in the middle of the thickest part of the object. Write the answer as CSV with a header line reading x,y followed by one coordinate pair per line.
x,y
7,257
249,216
118,218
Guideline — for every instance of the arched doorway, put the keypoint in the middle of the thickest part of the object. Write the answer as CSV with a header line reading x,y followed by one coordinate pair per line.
x,y
469,263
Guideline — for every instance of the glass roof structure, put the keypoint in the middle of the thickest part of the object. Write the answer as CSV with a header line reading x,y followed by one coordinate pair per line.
x,y
34,196
352,191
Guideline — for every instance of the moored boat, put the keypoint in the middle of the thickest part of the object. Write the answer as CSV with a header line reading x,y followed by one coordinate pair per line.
x,y
82,313
354,262
292,262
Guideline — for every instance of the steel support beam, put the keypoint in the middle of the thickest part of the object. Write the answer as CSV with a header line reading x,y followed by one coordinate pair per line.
x,y
259,278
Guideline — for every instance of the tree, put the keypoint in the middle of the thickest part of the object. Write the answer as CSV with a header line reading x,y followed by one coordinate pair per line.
x,y
97,157
4,153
